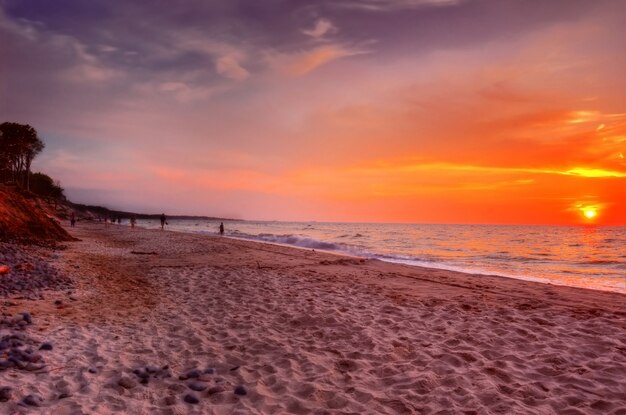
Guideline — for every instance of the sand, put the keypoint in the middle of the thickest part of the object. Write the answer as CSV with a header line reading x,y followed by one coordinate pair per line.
x,y
302,332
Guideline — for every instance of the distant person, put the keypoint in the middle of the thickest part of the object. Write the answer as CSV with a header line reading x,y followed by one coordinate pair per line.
x,y
72,219
133,219
222,228
119,221
163,221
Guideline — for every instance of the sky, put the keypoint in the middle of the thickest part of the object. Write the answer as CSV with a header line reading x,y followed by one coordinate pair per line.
x,y
421,111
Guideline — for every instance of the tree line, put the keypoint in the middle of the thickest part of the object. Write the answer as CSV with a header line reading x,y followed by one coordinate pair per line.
x,y
19,145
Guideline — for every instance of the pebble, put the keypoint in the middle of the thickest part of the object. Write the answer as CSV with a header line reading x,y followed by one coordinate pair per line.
x,y
5,393
32,400
214,390
29,272
141,374
170,400
194,373
64,395
126,382
92,370
241,390
31,367
46,346
191,398
197,386
153,369
58,302
27,317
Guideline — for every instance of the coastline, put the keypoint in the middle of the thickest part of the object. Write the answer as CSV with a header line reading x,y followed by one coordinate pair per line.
x,y
311,332
588,259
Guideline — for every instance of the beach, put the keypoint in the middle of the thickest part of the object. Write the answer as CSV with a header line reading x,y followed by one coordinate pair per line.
x,y
161,322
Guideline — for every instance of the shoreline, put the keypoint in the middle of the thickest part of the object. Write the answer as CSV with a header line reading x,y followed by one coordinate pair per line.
x,y
308,332
451,268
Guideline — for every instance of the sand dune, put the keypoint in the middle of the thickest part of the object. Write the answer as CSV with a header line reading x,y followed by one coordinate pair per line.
x,y
247,328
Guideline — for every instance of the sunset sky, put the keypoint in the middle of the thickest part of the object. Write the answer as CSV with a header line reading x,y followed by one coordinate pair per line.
x,y
426,111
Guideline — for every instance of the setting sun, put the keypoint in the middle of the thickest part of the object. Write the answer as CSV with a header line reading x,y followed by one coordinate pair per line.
x,y
590,213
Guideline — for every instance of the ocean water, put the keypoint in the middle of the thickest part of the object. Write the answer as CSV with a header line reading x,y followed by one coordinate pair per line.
x,y
582,256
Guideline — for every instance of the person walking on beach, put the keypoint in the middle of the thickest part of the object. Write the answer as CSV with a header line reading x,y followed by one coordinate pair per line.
x,y
133,219
72,220
163,222
221,228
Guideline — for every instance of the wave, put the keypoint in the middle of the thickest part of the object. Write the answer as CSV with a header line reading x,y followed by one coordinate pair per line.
x,y
601,262
300,241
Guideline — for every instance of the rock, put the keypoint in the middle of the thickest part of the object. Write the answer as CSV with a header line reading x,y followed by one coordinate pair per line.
x,y
126,383
209,370
27,317
152,369
197,386
32,367
190,374
32,400
169,400
45,346
58,302
214,390
4,269
141,374
92,370
64,395
191,398
241,390
5,393
177,387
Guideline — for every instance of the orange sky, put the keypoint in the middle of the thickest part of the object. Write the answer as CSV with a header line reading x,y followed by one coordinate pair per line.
x,y
442,112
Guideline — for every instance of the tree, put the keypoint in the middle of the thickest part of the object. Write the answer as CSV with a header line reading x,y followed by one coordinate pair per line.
x,y
19,144
42,185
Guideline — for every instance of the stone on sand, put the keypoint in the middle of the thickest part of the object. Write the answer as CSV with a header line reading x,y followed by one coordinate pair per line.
x,y
191,398
5,393
241,390
197,386
126,382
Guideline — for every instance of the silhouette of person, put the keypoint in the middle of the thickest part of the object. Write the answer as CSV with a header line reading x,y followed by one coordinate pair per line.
x,y
133,219
222,228
162,220
72,220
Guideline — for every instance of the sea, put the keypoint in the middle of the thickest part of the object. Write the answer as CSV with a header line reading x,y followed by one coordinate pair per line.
x,y
591,257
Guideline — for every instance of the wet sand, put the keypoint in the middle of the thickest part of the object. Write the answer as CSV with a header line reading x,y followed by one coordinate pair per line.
x,y
298,331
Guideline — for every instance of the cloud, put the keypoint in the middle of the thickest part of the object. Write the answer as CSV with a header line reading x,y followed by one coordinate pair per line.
x,y
393,5
321,28
74,62
229,67
303,62
183,92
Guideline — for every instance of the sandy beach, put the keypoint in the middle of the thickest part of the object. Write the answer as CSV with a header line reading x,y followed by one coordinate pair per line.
x,y
169,323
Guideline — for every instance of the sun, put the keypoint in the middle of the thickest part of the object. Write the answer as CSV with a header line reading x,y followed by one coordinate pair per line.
x,y
590,213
